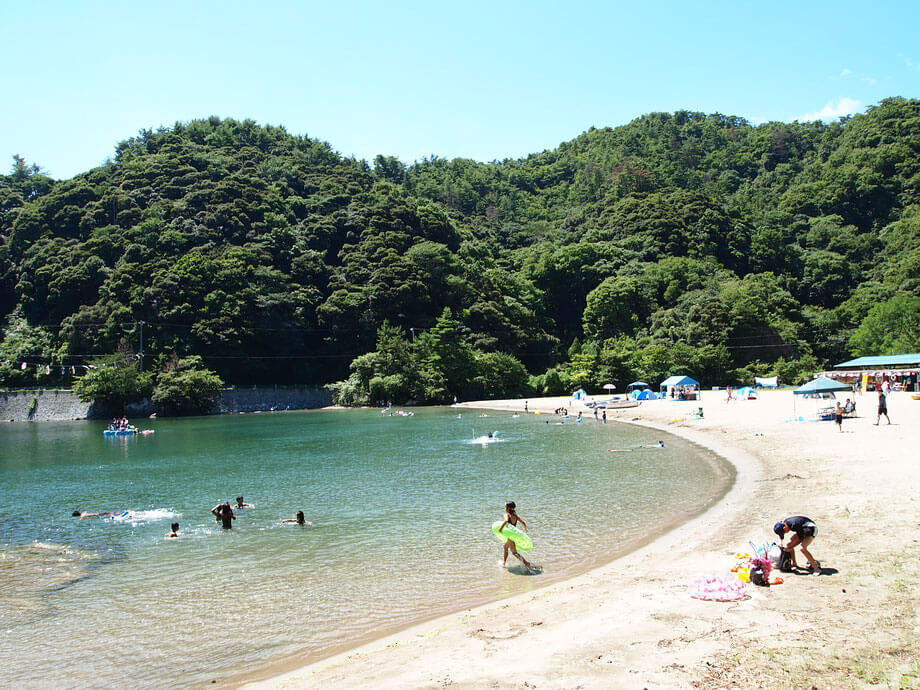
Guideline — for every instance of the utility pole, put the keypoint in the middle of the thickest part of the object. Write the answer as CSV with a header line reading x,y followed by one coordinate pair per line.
x,y
141,353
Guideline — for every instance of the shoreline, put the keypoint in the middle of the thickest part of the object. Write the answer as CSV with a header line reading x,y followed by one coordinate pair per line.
x,y
631,623
726,474
744,470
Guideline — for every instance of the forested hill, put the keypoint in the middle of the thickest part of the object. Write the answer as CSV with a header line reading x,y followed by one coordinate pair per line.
x,y
680,241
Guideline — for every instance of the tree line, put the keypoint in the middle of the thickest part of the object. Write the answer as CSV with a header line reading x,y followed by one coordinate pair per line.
x,y
682,241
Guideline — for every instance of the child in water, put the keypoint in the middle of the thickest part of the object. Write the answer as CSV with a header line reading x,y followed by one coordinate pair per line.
x,y
511,517
175,531
298,518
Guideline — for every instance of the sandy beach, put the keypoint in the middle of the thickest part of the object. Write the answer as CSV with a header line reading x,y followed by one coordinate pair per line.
x,y
632,623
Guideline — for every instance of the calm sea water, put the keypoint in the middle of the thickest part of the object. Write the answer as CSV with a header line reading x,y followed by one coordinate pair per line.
x,y
401,506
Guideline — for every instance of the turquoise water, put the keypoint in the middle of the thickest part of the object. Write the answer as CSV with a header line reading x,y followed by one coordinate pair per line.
x,y
401,506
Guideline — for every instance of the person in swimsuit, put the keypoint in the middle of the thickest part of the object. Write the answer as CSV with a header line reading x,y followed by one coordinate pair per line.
x,y
882,407
240,503
838,417
224,513
805,532
78,514
175,531
512,518
298,518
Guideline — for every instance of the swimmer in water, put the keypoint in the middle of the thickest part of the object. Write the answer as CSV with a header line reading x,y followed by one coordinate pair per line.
x,y
240,503
175,531
512,518
298,518
78,514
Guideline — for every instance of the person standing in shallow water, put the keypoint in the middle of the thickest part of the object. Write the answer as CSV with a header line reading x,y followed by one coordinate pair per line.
x,y
224,513
512,518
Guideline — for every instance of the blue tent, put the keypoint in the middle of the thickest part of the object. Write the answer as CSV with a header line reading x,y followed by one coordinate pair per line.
x,y
747,393
675,381
644,394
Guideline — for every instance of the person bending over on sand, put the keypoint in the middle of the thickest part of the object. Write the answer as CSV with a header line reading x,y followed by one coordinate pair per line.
x,y
240,503
805,532
298,518
512,518
224,513
175,531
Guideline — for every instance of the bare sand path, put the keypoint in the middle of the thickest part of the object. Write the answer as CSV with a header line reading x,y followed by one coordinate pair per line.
x,y
632,624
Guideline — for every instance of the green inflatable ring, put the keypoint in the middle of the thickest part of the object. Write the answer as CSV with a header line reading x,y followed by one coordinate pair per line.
x,y
520,538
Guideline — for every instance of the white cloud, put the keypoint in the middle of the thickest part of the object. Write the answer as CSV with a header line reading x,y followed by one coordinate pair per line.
x,y
846,73
845,106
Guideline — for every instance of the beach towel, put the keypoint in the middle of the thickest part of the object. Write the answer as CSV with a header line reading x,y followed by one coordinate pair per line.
x,y
718,587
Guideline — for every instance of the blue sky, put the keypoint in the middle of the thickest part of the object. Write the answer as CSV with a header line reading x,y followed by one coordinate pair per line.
x,y
480,80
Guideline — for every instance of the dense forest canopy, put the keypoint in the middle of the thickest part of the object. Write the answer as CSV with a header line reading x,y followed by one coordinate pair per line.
x,y
679,242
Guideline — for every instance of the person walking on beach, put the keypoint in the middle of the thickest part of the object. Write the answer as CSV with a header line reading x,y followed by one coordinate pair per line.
x,y
805,532
838,417
882,407
224,513
604,416
512,518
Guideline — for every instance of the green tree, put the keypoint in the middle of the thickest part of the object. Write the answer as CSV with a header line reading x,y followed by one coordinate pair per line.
x,y
618,305
892,327
186,387
445,361
113,383
499,375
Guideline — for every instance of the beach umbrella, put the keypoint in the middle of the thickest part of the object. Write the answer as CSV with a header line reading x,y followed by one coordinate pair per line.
x,y
609,386
637,384
822,384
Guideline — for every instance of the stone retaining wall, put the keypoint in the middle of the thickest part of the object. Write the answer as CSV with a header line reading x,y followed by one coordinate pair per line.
x,y
43,405
265,399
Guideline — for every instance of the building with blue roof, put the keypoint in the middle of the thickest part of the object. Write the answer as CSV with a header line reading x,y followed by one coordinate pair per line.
x,y
902,371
